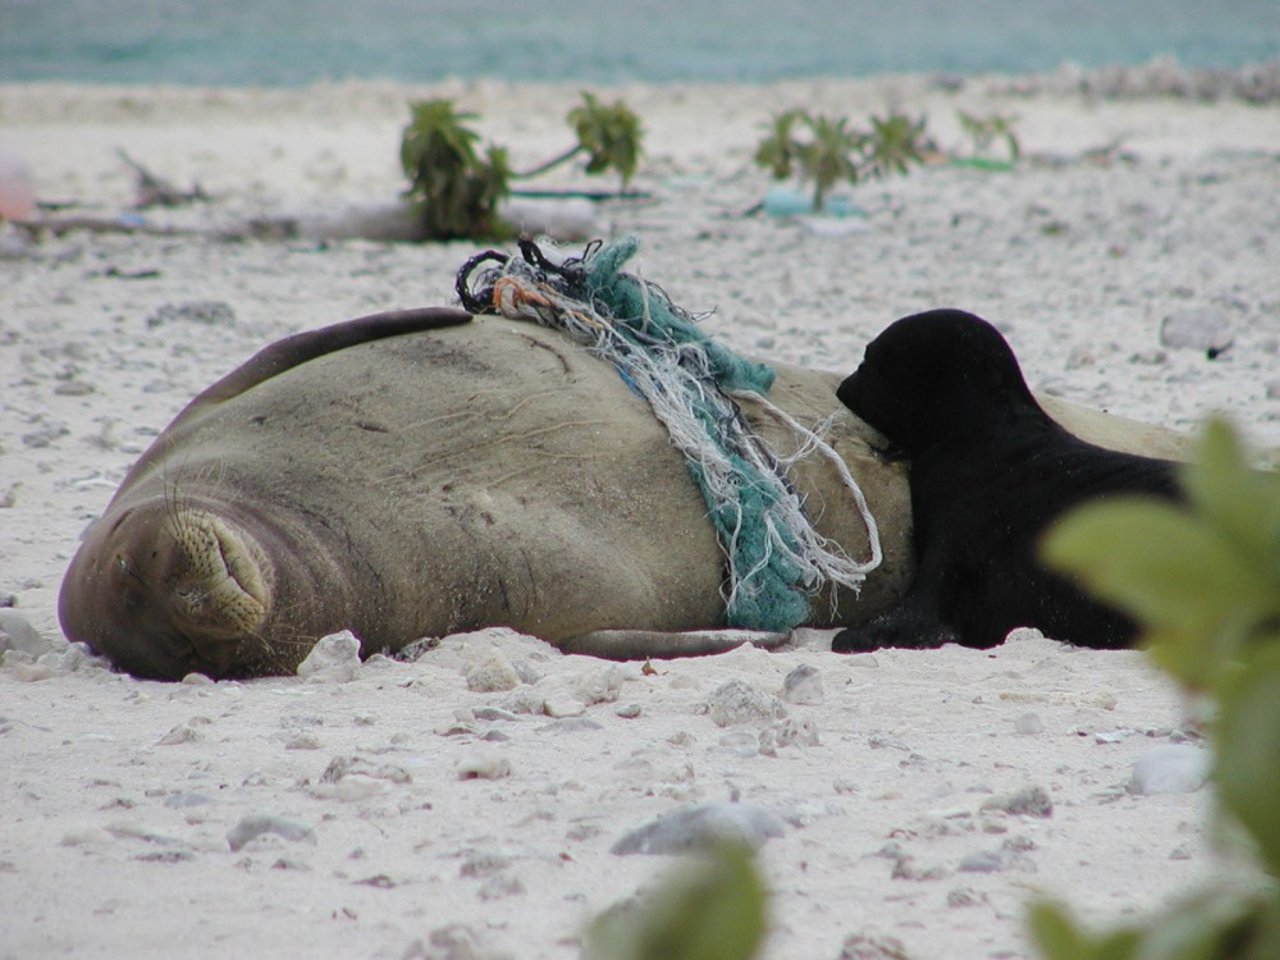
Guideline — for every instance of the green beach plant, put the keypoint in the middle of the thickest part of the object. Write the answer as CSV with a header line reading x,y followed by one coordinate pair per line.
x,y
1204,583
985,133
609,134
456,191
824,151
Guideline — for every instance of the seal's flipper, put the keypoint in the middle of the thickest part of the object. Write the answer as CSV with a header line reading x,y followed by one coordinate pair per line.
x,y
659,645
298,349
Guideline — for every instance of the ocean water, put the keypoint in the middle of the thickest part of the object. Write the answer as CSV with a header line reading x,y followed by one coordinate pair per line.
x,y
282,42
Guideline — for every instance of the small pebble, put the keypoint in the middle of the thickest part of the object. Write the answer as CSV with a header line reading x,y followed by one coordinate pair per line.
x,y
500,887
482,765
334,659
739,702
182,733
628,711
1028,725
571,725
86,835
984,861
493,713
1197,328
184,801
16,633
358,786
341,767
482,863
166,856
1169,768
288,863
906,868
213,313
456,941
965,897
1032,801
742,743
599,686
701,827
492,673
861,946
524,699
253,825
526,672
803,685
560,706
1112,736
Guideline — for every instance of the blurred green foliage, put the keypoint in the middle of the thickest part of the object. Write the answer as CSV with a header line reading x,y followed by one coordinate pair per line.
x,y
1203,580
456,190
610,136
711,909
824,150
985,132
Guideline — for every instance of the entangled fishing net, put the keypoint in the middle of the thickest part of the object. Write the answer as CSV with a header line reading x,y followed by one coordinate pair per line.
x,y
776,559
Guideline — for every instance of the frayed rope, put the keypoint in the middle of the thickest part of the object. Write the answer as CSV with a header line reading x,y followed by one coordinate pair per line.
x,y
776,558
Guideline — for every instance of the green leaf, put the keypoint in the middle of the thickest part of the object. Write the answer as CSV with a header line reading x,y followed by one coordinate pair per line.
x,y
1247,768
610,136
828,158
834,151
893,144
711,910
1243,503
983,131
778,151
455,192
1056,935
1177,575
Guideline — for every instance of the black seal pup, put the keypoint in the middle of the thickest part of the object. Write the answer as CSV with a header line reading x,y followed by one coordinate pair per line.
x,y
990,470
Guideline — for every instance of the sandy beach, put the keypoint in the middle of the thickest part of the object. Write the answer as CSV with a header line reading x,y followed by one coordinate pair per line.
x,y
410,816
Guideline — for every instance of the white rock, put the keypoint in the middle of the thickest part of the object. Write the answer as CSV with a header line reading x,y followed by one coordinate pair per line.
x,y
1028,724
182,733
599,686
482,765
1197,328
1169,768
803,685
738,702
492,673
17,634
558,706
358,786
700,827
334,659
1030,801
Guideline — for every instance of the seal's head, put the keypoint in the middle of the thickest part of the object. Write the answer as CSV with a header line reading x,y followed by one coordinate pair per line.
x,y
933,375
166,588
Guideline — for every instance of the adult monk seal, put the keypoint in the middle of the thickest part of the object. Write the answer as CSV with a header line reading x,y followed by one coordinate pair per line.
x,y
990,470
424,473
